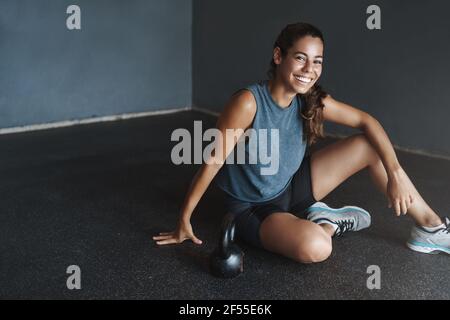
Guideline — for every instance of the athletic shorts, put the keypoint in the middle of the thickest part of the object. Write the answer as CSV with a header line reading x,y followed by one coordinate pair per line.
x,y
294,199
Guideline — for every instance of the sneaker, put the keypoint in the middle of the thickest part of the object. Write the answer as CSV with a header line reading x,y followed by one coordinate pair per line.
x,y
348,218
430,241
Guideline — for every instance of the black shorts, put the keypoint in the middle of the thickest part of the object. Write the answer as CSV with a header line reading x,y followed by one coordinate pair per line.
x,y
294,199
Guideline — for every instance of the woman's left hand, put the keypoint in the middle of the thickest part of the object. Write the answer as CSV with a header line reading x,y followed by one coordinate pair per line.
x,y
400,192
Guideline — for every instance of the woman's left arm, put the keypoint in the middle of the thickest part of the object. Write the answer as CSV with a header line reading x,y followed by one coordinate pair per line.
x,y
399,193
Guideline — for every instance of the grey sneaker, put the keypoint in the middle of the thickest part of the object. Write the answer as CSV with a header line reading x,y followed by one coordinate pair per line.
x,y
348,218
430,242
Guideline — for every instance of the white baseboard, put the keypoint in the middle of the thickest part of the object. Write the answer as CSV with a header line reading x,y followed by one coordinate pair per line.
x,y
206,111
59,124
67,123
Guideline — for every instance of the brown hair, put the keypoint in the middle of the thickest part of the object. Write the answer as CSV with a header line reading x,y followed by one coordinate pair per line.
x,y
312,113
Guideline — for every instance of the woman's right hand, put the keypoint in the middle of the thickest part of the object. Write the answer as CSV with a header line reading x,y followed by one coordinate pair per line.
x,y
183,232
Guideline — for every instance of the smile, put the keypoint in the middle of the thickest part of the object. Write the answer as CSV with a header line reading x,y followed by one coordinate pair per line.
x,y
304,80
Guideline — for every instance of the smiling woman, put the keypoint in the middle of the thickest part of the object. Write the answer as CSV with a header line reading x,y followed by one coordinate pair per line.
x,y
281,212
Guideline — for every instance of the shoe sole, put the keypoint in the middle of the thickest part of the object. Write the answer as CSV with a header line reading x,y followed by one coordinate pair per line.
x,y
333,210
426,248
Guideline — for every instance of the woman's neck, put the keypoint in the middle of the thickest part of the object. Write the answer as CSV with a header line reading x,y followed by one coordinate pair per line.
x,y
279,94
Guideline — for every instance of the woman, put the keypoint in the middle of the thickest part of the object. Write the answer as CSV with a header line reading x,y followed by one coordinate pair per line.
x,y
271,209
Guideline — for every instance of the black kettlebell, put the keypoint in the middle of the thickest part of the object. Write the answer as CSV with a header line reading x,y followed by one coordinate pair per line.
x,y
227,260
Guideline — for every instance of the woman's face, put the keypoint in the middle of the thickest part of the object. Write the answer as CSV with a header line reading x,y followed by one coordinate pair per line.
x,y
302,65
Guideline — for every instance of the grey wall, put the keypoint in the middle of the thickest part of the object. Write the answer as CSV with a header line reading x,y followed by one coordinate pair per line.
x,y
398,74
129,56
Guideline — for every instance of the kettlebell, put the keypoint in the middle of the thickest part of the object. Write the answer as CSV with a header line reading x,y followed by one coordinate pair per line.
x,y
227,260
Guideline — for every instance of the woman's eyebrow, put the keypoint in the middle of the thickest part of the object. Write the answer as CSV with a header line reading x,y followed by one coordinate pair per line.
x,y
306,54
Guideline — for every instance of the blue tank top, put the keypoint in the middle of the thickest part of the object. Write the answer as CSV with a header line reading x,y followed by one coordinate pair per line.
x,y
245,181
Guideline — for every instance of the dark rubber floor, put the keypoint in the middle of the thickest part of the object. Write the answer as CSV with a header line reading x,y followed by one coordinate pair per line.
x,y
94,195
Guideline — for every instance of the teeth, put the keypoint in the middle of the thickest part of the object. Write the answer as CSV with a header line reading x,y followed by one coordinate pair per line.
x,y
303,79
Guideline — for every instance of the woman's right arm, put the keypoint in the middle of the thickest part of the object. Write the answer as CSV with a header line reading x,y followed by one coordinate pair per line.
x,y
238,115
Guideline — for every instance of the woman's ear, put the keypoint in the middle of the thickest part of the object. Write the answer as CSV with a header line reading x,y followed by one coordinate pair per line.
x,y
277,55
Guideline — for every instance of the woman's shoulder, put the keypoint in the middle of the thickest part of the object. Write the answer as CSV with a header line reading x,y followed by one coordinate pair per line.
x,y
243,100
239,112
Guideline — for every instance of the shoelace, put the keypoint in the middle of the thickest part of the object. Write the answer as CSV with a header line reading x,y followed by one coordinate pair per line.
x,y
343,226
447,228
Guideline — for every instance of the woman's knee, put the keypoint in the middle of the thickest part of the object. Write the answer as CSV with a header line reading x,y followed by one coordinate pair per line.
x,y
361,140
298,239
313,249
367,148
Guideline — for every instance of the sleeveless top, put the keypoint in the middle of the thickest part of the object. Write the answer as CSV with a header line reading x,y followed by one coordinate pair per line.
x,y
278,156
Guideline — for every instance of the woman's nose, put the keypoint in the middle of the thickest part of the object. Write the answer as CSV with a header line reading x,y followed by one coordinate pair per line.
x,y
307,67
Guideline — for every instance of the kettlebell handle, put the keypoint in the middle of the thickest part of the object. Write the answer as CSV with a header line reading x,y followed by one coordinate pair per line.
x,y
226,234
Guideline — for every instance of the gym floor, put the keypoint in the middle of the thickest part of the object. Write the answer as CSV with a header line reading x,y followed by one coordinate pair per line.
x,y
94,195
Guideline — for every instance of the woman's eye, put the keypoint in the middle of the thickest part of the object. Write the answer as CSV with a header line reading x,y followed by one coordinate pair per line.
x,y
318,62
301,58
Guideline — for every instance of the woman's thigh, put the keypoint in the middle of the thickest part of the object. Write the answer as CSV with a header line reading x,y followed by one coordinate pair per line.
x,y
333,164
